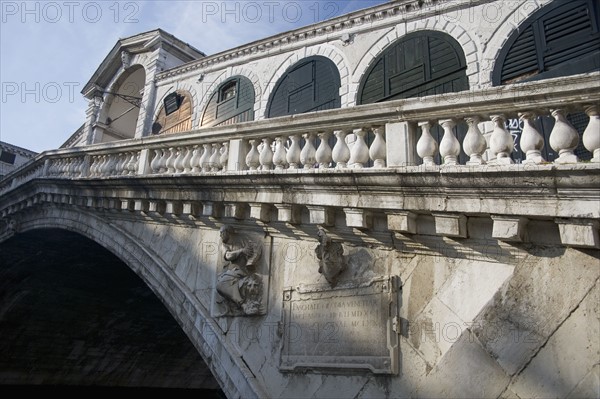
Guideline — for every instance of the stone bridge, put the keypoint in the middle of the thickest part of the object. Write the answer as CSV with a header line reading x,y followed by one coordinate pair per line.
x,y
300,267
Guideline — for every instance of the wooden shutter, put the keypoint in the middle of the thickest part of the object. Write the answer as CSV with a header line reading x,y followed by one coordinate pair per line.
x,y
312,84
236,109
420,64
560,39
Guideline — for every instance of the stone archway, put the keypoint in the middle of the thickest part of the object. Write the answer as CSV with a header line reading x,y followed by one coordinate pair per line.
x,y
191,315
74,314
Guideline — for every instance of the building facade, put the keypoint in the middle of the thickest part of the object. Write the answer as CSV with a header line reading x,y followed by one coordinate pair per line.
x,y
398,202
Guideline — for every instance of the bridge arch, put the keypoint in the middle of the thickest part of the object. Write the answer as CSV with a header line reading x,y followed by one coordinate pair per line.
x,y
190,314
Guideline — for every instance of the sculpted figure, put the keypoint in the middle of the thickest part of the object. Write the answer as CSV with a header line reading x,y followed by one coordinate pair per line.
x,y
331,259
125,59
238,284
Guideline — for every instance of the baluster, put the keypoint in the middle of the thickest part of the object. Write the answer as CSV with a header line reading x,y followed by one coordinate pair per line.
x,y
340,153
93,166
563,138
359,154
178,164
154,163
214,158
195,161
71,165
205,158
119,164
323,156
103,165
426,146
279,158
80,166
224,156
112,164
308,153
253,157
293,154
591,134
133,164
378,150
449,145
171,161
162,163
501,141
474,143
126,156
532,142
187,160
266,155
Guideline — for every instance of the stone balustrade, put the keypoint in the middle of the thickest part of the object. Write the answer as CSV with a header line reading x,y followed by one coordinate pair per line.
x,y
376,136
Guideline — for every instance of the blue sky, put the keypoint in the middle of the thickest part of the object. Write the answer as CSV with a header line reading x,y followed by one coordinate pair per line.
x,y
50,49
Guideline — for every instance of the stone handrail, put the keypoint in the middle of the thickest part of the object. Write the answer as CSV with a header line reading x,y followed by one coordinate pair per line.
x,y
320,140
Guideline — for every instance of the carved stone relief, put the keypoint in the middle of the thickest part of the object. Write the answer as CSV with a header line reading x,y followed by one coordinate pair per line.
x,y
331,257
240,284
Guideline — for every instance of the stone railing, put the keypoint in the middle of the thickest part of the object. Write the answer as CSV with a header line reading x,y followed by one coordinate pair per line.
x,y
336,140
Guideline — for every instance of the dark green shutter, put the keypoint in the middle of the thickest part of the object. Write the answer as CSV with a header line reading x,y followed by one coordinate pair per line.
x,y
239,108
312,84
422,63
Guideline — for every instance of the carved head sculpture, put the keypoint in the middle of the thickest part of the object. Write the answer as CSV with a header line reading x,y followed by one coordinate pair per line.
x,y
125,59
226,232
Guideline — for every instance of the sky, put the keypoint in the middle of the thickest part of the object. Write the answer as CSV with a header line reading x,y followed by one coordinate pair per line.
x,y
50,49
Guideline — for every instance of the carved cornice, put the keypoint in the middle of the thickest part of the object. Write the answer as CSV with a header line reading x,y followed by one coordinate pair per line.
x,y
409,9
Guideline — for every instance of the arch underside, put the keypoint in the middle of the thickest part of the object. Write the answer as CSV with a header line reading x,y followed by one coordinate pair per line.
x,y
183,306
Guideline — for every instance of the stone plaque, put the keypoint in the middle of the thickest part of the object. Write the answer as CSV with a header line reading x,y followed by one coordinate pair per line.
x,y
353,326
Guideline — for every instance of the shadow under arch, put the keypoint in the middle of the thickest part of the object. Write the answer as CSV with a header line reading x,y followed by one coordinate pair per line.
x,y
191,316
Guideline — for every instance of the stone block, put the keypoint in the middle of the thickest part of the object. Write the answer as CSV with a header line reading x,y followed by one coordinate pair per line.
x,y
359,218
212,209
156,206
568,357
173,208
579,233
288,213
544,289
402,222
321,215
141,206
509,228
450,225
401,141
435,330
260,212
466,371
472,285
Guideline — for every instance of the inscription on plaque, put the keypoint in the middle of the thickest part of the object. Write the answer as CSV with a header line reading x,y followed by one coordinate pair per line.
x,y
351,327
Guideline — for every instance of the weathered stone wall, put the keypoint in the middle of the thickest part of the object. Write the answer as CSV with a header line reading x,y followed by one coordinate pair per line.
x,y
478,318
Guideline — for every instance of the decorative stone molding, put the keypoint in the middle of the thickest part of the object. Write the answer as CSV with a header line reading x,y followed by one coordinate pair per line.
x,y
261,212
450,225
288,213
358,218
321,215
579,233
402,222
509,228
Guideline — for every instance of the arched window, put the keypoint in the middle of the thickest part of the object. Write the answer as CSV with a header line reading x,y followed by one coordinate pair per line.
x,y
232,102
420,64
119,115
176,116
312,84
560,39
